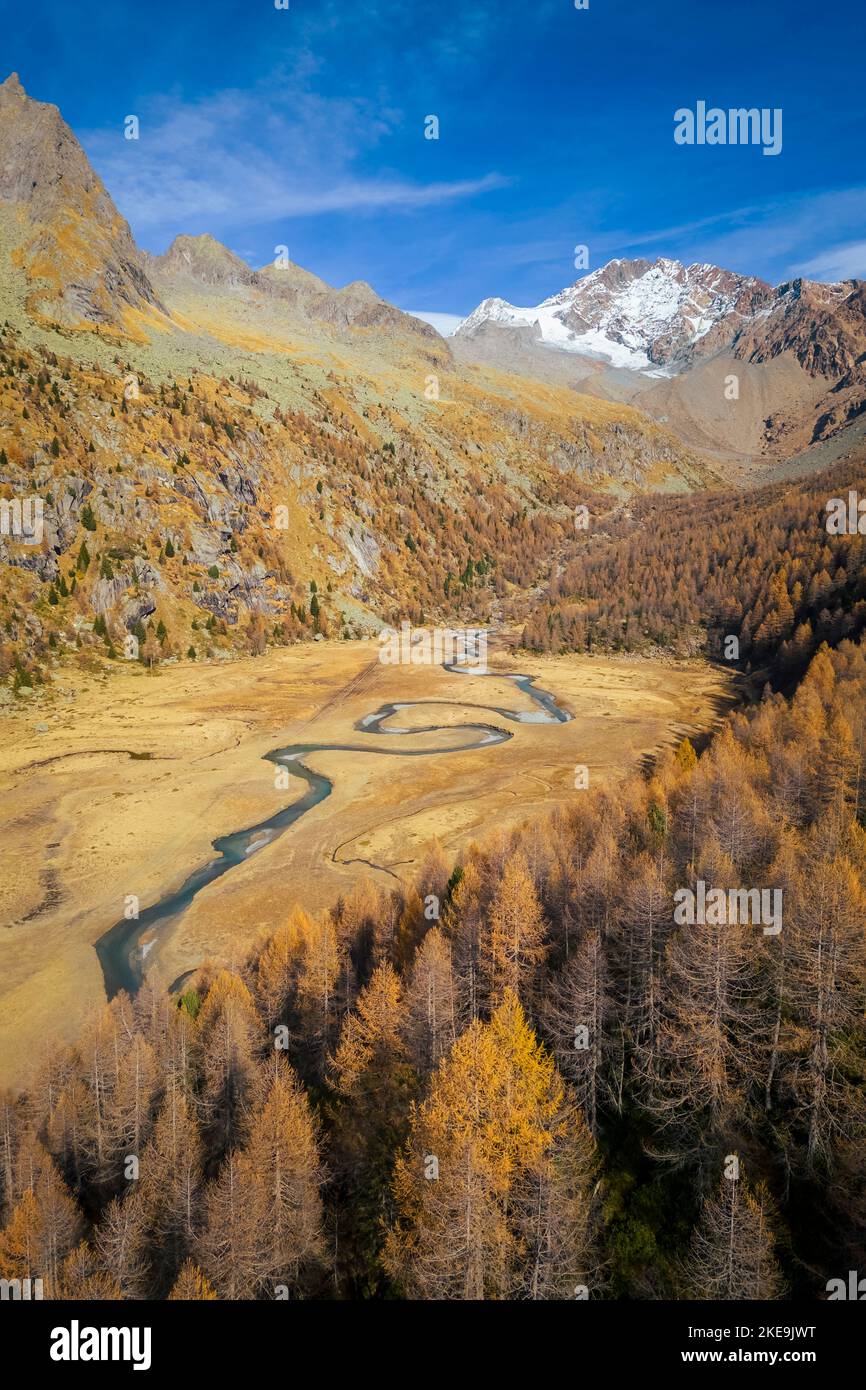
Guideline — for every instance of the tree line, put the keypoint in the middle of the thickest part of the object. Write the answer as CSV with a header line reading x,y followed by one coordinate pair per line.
x,y
684,573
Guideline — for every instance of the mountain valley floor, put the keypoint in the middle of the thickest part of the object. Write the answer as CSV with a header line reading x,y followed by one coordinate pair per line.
x,y
117,784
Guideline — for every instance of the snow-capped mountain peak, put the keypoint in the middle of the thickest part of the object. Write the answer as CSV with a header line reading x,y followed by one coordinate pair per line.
x,y
642,315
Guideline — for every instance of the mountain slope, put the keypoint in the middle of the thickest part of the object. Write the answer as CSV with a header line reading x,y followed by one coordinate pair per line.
x,y
199,265
75,248
82,265
231,456
670,339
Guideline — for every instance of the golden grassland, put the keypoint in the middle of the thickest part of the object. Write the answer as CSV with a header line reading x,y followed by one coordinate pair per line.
x,y
118,785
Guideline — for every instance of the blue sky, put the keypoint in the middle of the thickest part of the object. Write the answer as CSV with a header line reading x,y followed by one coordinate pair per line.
x,y
305,127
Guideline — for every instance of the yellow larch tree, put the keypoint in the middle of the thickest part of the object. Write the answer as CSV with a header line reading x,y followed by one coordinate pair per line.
x,y
497,1168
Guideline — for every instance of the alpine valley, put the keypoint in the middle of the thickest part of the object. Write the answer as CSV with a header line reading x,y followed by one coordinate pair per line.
x,y
302,907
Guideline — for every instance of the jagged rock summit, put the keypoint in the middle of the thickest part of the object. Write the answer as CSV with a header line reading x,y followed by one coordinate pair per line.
x,y
84,269
203,261
635,314
76,250
659,317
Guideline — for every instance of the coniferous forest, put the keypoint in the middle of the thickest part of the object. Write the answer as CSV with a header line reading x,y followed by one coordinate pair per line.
x,y
520,1080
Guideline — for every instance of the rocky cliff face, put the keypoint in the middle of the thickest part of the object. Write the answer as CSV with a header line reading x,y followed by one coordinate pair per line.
x,y
77,251
824,326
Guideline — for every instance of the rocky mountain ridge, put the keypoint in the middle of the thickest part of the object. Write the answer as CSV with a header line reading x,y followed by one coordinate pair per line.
x,y
85,269
666,323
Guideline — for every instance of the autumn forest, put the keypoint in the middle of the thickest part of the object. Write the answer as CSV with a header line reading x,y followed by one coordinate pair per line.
x,y
432,679
518,1080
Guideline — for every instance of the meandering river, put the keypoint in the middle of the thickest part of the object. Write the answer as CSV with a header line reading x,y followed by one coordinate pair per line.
x,y
123,949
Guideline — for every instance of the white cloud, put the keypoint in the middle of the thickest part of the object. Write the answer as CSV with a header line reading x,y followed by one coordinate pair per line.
x,y
776,239
847,262
443,323
245,159
782,236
